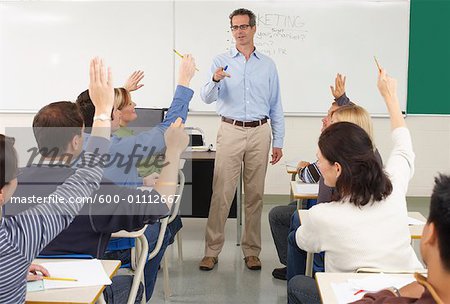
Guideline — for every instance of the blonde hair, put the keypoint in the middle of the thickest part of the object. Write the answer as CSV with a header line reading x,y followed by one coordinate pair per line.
x,y
122,98
354,114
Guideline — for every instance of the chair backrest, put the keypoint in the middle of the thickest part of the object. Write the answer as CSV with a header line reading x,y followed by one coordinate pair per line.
x,y
146,119
179,193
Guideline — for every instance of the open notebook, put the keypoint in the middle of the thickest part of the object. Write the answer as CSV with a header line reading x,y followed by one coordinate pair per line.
x,y
86,272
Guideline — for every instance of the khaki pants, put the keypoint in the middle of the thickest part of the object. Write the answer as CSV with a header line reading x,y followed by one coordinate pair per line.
x,y
234,146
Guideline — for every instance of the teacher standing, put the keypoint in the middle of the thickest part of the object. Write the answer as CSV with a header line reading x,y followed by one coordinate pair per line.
x,y
245,84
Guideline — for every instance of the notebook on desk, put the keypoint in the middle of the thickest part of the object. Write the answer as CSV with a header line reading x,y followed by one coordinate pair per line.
x,y
305,189
86,272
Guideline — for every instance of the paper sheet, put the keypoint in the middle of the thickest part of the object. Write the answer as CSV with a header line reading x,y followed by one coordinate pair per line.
x,y
303,188
413,221
345,292
87,272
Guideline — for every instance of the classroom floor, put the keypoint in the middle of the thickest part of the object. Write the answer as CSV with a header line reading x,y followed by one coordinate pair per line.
x,y
230,281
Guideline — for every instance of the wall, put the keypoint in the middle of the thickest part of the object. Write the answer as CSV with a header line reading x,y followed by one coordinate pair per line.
x,y
431,140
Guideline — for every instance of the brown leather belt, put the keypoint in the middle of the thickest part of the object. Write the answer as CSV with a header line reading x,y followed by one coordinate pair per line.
x,y
245,124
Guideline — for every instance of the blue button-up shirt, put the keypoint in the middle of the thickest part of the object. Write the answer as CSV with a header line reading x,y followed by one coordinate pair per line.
x,y
251,93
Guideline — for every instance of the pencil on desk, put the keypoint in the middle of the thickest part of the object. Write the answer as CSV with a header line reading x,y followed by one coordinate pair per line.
x,y
181,56
59,279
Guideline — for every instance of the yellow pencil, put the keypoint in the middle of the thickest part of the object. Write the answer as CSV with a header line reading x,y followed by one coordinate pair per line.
x,y
378,65
59,279
181,56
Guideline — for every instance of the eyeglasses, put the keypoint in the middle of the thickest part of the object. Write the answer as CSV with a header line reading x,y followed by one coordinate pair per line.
x,y
241,27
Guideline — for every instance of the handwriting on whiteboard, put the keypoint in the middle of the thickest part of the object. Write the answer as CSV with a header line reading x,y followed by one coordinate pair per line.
x,y
276,33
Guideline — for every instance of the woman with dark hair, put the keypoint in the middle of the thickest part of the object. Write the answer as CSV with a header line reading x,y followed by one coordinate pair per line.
x,y
366,224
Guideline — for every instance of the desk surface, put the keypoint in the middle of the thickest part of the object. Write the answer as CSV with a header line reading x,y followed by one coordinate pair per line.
x,y
80,295
324,280
199,155
304,194
291,169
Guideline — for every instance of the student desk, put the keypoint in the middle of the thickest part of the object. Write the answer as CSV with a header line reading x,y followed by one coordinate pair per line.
x,y
307,191
415,231
324,280
199,172
293,172
82,295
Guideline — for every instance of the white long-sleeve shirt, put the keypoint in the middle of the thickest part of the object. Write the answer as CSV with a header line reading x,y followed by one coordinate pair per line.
x,y
375,235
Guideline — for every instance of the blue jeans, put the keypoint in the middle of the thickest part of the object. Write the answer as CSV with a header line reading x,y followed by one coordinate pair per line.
x,y
118,291
303,290
296,257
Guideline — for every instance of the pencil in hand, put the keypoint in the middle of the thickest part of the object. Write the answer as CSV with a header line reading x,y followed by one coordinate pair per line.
x,y
181,56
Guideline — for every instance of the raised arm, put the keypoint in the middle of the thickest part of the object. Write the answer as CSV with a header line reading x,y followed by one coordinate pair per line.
x,y
388,89
36,227
176,141
132,83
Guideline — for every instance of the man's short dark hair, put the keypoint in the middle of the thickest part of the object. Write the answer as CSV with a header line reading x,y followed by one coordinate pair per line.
x,y
8,160
55,125
440,216
87,109
244,11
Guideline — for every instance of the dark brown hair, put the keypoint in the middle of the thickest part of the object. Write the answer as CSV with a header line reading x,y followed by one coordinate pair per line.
x,y
440,216
243,11
8,160
55,125
362,178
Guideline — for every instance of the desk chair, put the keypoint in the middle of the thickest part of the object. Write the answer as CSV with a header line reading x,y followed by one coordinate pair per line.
x,y
175,211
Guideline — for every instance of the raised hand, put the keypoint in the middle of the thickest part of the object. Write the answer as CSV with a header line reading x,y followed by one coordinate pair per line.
x,y
386,85
186,70
176,138
220,74
339,86
101,89
388,89
132,83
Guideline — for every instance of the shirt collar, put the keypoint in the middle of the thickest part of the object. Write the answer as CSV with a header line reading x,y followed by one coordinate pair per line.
x,y
234,52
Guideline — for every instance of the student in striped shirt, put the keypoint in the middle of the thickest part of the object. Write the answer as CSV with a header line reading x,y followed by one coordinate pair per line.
x,y
24,235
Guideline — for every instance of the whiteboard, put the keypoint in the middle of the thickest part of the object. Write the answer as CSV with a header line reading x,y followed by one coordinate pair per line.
x,y
45,48
310,41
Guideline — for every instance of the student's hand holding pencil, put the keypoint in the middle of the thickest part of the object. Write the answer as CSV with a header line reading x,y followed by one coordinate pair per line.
x,y
33,274
187,70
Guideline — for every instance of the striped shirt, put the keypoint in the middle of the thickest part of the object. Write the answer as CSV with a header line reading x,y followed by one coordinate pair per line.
x,y
23,236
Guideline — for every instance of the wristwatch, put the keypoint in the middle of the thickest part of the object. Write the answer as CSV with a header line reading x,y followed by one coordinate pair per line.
x,y
394,291
102,117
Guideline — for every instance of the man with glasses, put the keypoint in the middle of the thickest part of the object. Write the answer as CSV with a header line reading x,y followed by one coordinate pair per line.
x,y
244,82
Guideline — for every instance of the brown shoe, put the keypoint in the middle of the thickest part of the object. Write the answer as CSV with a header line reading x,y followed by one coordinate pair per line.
x,y
252,262
208,263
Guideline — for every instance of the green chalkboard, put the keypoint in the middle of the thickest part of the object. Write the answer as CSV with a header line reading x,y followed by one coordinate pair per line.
x,y
429,58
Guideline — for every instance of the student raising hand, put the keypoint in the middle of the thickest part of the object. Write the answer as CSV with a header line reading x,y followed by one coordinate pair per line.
x,y
388,89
